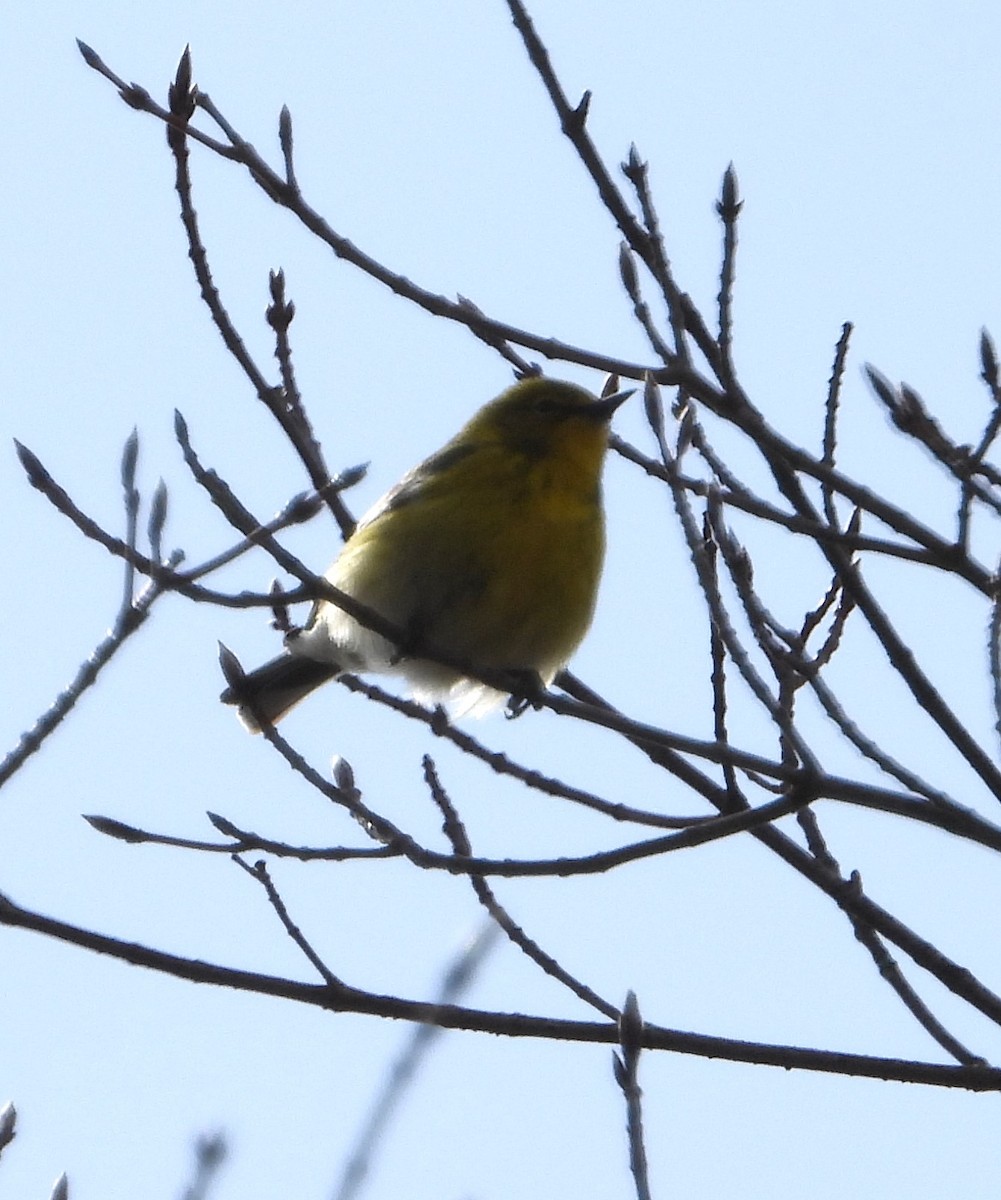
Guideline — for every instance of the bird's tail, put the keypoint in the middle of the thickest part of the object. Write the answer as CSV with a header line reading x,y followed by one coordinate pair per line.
x,y
271,690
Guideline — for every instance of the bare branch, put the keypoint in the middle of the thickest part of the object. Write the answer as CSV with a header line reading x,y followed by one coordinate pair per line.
x,y
627,1077
509,1024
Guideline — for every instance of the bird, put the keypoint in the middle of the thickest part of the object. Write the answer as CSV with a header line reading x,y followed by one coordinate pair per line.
x,y
489,552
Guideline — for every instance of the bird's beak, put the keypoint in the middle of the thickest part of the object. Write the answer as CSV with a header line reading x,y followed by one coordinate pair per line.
x,y
603,409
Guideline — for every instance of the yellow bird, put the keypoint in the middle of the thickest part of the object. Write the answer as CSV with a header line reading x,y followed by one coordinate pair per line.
x,y
489,551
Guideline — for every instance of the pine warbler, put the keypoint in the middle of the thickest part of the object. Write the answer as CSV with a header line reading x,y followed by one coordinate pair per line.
x,y
489,551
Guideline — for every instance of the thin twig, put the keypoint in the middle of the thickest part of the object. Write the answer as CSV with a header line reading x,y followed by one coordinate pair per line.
x,y
456,833
831,405
130,455
259,872
717,654
994,653
627,1076
889,969
128,622
243,841
573,121
638,173
287,406
641,310
728,207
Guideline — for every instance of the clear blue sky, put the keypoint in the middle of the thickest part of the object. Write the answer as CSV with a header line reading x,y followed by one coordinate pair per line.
x,y
866,142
